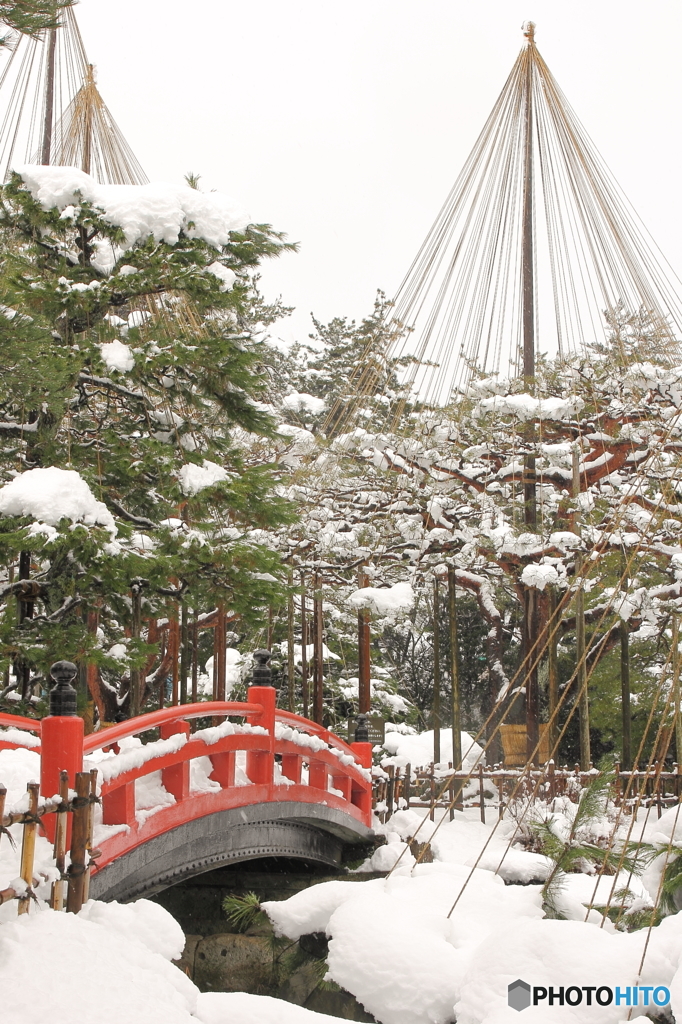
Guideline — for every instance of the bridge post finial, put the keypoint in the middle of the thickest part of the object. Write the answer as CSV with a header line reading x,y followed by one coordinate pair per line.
x,y
262,672
62,694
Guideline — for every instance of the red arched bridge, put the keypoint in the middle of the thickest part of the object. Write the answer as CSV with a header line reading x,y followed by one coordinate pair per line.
x,y
274,784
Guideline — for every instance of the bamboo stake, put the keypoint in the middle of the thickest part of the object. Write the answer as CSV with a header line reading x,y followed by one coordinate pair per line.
x,y
57,895
436,673
91,832
28,846
626,754
454,671
79,838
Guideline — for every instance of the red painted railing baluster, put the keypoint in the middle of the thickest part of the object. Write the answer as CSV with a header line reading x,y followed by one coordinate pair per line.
x,y
223,768
291,767
317,774
118,806
176,778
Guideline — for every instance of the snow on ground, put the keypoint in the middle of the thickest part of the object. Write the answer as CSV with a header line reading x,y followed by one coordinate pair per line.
x,y
417,749
430,943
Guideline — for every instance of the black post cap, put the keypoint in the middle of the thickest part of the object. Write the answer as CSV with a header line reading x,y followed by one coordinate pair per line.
x,y
362,729
62,694
262,673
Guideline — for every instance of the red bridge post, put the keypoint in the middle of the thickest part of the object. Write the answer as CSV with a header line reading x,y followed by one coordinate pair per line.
x,y
61,736
260,763
362,798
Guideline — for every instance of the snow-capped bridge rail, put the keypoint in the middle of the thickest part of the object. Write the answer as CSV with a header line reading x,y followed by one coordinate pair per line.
x,y
271,784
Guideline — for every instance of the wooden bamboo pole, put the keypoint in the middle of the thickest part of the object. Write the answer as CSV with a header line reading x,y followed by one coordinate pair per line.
x,y
28,845
436,673
219,654
57,895
79,838
291,663
91,832
454,671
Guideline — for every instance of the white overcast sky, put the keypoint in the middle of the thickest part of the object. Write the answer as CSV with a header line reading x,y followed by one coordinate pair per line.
x,y
345,124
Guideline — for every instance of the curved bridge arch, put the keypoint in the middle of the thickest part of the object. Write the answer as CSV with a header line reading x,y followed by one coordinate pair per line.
x,y
300,831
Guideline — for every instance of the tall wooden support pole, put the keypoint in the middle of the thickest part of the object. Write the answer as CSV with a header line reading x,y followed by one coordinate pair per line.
x,y
185,653
174,651
219,647
364,664
291,661
46,147
195,658
626,753
581,664
136,629
454,671
91,673
528,271
676,688
318,658
530,651
435,718
553,672
304,651
24,611
87,140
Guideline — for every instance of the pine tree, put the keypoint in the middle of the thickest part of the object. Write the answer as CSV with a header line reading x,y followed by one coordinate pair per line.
x,y
134,363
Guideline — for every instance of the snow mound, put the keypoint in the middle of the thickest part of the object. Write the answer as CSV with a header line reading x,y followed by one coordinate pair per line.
x,y
417,750
384,602
160,209
195,478
50,494
526,407
244,1008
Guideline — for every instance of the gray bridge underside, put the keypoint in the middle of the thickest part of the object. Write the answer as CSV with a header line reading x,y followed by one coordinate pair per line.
x,y
311,832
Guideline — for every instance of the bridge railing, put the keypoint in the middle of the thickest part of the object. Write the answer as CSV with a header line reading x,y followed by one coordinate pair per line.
x,y
272,746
